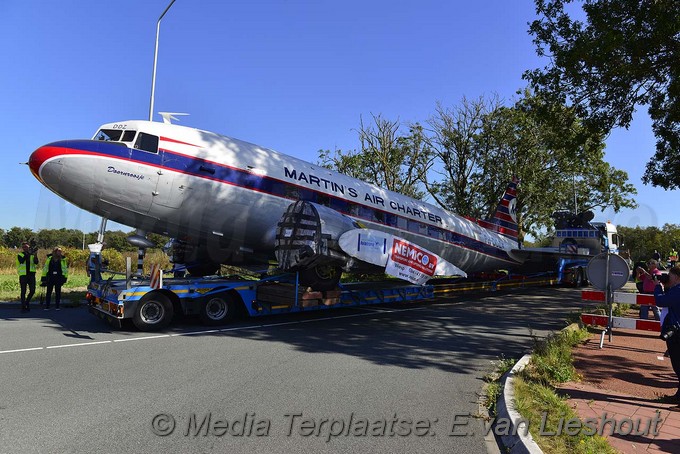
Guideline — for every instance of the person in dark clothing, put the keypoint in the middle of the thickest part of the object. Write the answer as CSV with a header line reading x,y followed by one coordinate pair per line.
x,y
55,274
27,263
670,298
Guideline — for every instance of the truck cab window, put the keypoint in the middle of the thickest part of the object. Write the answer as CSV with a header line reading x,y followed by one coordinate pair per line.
x,y
147,142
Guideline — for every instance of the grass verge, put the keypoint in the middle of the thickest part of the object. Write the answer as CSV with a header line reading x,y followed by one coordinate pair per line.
x,y
74,290
538,402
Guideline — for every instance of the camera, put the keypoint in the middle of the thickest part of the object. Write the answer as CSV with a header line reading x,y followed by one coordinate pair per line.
x,y
665,335
32,247
662,278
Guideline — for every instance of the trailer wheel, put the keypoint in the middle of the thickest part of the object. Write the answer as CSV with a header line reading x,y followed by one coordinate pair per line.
x,y
218,310
321,277
154,312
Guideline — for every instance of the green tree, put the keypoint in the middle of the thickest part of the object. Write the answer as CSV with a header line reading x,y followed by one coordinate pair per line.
x,y
16,235
643,241
159,240
385,158
117,239
544,145
461,149
624,55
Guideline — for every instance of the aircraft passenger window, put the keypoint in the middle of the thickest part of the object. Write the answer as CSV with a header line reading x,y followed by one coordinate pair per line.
x,y
147,142
323,199
128,136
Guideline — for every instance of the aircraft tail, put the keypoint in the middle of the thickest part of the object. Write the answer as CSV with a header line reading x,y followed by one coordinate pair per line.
x,y
504,220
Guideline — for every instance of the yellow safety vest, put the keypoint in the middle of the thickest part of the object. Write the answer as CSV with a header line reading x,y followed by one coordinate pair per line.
x,y
21,267
64,266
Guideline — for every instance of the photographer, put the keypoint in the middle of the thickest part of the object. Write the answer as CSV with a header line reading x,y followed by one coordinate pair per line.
x,y
649,278
54,275
27,263
670,330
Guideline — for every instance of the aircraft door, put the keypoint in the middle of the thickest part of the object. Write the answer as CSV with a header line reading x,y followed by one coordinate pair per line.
x,y
170,188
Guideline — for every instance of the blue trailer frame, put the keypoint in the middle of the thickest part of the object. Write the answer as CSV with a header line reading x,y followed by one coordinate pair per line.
x,y
217,300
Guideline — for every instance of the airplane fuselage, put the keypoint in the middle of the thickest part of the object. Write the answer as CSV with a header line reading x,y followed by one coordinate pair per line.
x,y
185,182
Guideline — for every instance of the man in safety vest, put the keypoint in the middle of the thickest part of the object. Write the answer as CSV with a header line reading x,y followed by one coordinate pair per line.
x,y
55,274
27,262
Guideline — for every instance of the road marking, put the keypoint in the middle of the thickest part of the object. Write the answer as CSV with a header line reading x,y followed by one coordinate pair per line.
x,y
22,350
79,344
191,333
208,331
141,338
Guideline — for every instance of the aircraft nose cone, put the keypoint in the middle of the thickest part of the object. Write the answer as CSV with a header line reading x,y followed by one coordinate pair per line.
x,y
36,160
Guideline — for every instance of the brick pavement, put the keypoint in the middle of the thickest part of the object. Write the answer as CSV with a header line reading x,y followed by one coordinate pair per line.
x,y
625,380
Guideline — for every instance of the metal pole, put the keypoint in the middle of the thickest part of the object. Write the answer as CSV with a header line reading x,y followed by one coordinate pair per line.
x,y
608,285
155,59
575,203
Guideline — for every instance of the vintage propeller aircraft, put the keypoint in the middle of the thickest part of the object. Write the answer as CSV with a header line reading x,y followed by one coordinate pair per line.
x,y
229,201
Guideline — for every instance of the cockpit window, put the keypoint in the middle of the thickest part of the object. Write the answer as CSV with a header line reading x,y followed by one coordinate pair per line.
x,y
115,135
147,142
108,135
128,136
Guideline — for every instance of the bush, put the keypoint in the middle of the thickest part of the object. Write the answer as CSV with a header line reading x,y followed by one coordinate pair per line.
x,y
7,259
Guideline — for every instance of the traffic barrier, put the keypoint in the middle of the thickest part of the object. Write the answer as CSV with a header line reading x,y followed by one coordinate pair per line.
x,y
622,322
642,299
156,276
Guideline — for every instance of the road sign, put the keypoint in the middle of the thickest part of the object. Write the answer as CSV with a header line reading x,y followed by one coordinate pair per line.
x,y
614,265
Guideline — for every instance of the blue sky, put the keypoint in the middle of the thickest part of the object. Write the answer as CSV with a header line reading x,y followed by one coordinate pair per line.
x,y
292,75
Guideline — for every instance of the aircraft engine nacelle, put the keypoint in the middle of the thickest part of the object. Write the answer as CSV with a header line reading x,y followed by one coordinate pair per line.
x,y
307,236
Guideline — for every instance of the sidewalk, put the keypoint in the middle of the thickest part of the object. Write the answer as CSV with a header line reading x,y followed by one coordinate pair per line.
x,y
626,379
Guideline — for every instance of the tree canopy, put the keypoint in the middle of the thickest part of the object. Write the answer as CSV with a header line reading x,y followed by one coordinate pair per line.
x,y
623,56
385,157
643,241
469,153
72,238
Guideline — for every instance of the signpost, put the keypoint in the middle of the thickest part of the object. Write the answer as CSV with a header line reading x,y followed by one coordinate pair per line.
x,y
608,272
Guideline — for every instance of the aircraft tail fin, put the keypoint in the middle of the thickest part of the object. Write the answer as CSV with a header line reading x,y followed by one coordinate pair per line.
x,y
504,219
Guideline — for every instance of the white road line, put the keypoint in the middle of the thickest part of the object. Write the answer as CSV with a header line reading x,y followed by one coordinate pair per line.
x,y
208,331
191,333
21,350
279,324
79,344
141,338
238,328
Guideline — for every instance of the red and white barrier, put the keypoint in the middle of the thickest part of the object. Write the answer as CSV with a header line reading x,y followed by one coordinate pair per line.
x,y
622,322
619,297
156,276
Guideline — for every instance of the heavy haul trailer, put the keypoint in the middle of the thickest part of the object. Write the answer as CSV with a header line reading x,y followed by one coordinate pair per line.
x,y
217,300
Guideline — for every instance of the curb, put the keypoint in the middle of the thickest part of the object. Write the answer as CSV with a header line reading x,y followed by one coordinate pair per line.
x,y
519,440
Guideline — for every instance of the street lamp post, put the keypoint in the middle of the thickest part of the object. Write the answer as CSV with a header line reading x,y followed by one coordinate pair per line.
x,y
155,58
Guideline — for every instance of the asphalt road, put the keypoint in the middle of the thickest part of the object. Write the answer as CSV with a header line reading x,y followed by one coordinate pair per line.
x,y
380,379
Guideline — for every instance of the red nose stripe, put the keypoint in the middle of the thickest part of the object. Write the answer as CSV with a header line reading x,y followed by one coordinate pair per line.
x,y
42,154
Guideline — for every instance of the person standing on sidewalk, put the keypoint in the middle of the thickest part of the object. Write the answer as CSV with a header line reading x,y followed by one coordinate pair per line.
x,y
649,279
670,330
55,273
26,263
